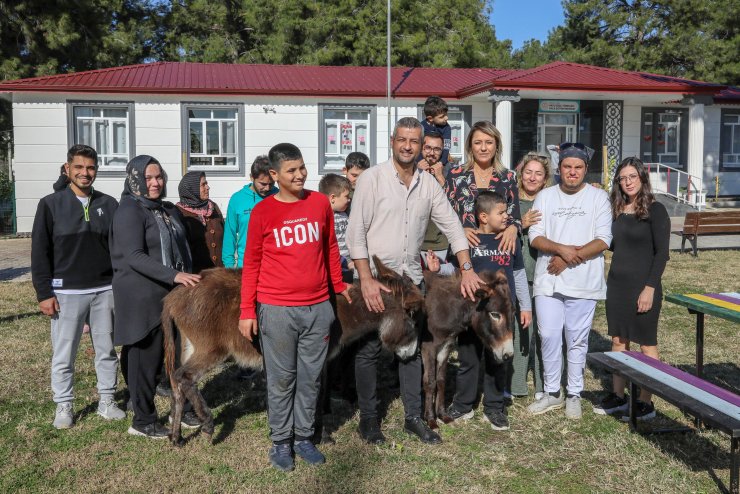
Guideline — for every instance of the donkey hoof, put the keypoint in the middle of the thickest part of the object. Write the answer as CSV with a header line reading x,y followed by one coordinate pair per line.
x,y
446,419
432,423
178,442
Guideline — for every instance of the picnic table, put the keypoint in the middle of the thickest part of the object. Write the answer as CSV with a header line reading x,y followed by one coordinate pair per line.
x,y
724,305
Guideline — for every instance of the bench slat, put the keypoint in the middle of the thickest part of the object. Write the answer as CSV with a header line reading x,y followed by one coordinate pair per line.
x,y
709,415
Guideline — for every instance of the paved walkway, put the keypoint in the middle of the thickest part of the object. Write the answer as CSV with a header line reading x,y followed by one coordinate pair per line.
x,y
15,253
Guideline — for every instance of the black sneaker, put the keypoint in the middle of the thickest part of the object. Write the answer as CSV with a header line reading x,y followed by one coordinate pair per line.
x,y
189,420
309,452
453,413
164,390
281,457
152,431
612,404
645,411
419,428
370,432
498,420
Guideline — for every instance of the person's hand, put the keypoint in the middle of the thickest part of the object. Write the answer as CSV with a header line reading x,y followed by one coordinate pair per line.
x,y
345,293
248,328
472,237
525,318
556,265
570,255
187,279
49,307
470,283
433,263
645,300
423,165
438,171
508,239
351,265
371,294
531,217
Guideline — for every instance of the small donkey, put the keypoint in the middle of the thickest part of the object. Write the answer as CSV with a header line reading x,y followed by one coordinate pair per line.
x,y
207,316
448,315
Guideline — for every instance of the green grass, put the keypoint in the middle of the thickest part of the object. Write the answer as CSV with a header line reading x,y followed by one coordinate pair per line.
x,y
540,454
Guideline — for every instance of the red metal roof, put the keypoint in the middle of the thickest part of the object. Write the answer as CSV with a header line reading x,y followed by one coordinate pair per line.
x,y
305,80
574,76
731,96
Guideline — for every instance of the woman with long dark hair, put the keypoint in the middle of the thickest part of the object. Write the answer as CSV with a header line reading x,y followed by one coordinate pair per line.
x,y
150,256
204,223
641,231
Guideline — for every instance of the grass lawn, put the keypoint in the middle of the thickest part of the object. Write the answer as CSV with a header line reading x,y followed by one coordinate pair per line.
x,y
540,454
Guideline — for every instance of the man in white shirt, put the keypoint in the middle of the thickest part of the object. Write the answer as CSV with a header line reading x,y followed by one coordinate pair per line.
x,y
391,208
574,232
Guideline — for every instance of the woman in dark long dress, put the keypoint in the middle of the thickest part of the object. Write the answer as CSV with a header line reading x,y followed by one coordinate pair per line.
x,y
150,256
641,231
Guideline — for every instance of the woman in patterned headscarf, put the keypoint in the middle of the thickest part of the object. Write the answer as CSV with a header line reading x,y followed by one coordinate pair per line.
x,y
150,256
204,223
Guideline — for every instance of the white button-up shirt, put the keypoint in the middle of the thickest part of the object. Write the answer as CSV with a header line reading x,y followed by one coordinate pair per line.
x,y
389,220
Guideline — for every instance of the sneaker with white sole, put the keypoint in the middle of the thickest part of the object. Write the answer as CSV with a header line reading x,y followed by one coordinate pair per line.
x,y
63,418
573,407
644,411
546,403
612,404
456,415
108,409
538,395
498,420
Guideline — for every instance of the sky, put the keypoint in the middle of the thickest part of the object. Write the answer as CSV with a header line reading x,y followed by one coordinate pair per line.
x,y
522,20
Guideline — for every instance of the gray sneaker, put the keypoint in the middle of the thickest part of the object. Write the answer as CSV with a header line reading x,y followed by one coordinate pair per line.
x,y
573,407
545,404
63,418
108,409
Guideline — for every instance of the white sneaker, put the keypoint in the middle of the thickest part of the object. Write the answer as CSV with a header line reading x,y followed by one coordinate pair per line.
x,y
573,407
63,418
538,395
108,409
546,403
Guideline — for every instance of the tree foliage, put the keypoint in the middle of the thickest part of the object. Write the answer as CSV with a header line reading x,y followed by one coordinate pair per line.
x,y
697,39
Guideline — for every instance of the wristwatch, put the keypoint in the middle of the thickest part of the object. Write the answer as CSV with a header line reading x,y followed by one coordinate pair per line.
x,y
467,266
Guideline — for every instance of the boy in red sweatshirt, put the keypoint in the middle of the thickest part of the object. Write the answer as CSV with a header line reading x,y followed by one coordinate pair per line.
x,y
290,255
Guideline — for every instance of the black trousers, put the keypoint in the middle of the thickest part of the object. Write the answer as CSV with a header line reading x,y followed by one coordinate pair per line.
x,y
366,379
470,353
143,360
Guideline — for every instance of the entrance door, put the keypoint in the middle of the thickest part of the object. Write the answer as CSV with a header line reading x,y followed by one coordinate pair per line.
x,y
555,128
663,132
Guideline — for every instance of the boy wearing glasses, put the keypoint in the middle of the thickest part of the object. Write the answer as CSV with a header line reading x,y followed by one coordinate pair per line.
x,y
571,237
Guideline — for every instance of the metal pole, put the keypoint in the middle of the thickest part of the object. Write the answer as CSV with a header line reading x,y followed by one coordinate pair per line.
x,y
388,61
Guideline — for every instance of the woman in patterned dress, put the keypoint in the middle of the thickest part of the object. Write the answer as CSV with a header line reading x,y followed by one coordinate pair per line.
x,y
483,170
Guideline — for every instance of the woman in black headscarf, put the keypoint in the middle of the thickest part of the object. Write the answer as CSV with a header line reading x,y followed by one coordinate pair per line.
x,y
150,256
204,223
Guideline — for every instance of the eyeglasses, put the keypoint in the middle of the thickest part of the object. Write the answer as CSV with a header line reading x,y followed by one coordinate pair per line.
x,y
628,178
576,145
434,150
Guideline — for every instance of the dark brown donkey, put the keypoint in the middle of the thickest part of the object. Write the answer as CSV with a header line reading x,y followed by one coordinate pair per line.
x,y
207,316
449,314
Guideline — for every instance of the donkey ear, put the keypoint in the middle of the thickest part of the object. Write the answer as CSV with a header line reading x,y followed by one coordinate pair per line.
x,y
501,284
382,270
484,291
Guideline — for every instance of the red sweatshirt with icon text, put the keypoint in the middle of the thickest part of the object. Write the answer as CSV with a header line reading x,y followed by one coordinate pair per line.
x,y
291,254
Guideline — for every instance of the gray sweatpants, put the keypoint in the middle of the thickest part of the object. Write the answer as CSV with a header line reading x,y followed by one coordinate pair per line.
x,y
294,342
66,330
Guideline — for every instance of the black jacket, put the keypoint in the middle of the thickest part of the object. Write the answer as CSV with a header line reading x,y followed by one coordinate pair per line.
x,y
69,251
140,280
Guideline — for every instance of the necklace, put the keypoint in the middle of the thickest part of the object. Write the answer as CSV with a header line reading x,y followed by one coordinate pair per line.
x,y
483,178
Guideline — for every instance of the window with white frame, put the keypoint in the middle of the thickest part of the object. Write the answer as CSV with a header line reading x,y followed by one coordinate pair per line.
x,y
345,130
213,138
730,141
458,118
107,129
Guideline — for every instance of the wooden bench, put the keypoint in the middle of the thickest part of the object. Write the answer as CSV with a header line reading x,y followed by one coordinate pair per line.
x,y
709,403
708,223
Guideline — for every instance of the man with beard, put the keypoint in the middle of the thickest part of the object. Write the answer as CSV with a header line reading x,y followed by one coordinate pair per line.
x,y
392,205
575,230
431,154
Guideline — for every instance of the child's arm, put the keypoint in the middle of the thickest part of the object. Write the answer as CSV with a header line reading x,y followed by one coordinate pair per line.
x,y
435,266
522,294
250,272
331,254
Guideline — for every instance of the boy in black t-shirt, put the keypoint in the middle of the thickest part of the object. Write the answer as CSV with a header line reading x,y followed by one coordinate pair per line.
x,y
490,210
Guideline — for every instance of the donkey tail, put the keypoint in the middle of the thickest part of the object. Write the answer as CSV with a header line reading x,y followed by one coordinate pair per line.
x,y
168,333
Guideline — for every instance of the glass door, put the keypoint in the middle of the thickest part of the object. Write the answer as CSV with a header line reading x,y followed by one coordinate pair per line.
x,y
555,128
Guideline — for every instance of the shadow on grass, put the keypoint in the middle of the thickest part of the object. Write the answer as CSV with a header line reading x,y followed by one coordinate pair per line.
x,y
9,274
14,317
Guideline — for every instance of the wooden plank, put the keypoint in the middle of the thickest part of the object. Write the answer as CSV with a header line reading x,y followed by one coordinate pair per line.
x,y
707,414
699,306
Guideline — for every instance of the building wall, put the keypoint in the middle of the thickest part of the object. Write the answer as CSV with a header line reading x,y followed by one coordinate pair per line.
x,y
41,138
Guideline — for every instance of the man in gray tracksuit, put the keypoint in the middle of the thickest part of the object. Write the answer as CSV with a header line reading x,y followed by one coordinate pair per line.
x,y
71,272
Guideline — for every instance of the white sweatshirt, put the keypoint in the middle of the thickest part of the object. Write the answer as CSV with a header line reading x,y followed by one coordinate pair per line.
x,y
572,219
